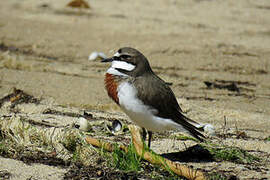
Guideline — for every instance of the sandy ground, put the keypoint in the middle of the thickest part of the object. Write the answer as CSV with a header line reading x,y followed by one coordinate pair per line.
x,y
45,47
36,171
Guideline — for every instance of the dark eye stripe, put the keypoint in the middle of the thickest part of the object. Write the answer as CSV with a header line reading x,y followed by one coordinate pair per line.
x,y
116,58
124,56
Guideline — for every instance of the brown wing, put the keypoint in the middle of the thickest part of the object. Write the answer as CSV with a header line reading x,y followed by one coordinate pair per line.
x,y
157,94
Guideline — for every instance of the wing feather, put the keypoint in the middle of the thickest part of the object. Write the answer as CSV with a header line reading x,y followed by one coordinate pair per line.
x,y
157,94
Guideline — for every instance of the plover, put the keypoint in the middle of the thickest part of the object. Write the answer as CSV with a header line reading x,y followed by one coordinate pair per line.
x,y
146,99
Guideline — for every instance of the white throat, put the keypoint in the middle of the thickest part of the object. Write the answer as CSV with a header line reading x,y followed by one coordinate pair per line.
x,y
120,65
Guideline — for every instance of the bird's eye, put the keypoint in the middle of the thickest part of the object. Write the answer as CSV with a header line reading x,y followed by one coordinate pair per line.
x,y
124,56
116,58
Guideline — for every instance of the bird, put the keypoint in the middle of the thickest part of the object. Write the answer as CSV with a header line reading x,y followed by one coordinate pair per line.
x,y
144,97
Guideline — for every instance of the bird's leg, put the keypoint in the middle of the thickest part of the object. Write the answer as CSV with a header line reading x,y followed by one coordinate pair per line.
x,y
149,138
143,134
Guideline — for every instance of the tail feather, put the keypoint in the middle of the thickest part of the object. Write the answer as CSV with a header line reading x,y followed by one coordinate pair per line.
x,y
191,126
197,125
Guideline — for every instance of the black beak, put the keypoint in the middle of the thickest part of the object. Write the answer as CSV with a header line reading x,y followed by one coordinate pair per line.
x,y
107,60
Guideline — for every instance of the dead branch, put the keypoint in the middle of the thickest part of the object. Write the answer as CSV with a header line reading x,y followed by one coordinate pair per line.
x,y
105,145
150,155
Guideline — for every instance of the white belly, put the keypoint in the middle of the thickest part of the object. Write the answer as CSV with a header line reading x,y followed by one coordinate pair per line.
x,y
141,114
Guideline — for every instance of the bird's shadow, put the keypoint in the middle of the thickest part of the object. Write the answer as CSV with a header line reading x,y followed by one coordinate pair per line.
x,y
195,153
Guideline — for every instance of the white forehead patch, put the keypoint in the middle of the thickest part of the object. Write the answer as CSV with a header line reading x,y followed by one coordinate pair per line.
x,y
117,54
123,65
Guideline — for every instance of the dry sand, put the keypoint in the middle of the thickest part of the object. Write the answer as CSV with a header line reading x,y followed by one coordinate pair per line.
x,y
45,46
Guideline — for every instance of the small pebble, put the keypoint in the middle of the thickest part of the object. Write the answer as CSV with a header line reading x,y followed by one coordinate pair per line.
x,y
209,129
116,126
83,124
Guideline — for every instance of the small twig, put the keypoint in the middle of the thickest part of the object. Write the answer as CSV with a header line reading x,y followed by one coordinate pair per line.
x,y
224,127
236,128
51,137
